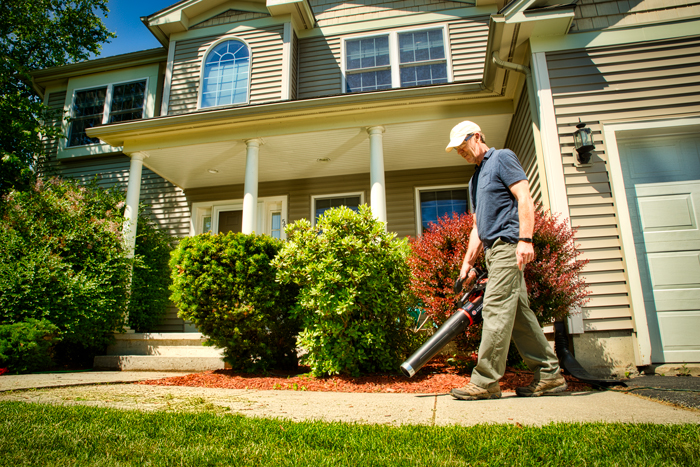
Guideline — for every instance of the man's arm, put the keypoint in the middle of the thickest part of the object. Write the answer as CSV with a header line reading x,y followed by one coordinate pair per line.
x,y
526,214
472,252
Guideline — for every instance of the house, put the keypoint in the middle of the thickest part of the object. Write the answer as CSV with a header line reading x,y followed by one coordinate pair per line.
x,y
257,113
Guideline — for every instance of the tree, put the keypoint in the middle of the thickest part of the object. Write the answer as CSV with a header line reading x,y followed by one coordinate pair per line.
x,y
37,34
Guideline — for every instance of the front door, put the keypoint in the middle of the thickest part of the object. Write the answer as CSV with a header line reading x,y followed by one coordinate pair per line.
x,y
230,221
662,183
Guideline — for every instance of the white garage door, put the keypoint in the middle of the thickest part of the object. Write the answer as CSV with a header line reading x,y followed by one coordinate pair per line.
x,y
662,182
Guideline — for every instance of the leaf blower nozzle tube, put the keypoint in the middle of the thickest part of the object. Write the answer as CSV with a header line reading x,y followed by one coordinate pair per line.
x,y
468,313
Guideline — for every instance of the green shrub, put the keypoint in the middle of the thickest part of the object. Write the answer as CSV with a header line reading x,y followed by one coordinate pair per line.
x,y
27,346
62,259
150,283
353,299
226,286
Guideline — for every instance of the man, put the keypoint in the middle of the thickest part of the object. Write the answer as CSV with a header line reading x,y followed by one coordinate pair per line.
x,y
503,224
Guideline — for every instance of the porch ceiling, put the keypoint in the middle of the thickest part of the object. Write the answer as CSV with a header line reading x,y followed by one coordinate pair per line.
x,y
413,145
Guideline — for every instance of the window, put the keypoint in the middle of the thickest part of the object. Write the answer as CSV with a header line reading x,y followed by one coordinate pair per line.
x,y
323,203
438,202
106,104
226,73
367,64
396,59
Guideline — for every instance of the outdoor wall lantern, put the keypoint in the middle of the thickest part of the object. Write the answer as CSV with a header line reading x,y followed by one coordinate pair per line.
x,y
583,142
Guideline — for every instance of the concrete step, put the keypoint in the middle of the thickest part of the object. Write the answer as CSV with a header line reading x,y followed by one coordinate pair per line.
x,y
156,363
167,351
165,344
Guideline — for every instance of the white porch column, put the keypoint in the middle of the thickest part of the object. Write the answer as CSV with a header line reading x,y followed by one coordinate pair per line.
x,y
250,196
376,172
131,212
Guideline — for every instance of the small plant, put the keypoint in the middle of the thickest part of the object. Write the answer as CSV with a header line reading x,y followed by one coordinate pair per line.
x,y
684,370
226,286
27,346
354,298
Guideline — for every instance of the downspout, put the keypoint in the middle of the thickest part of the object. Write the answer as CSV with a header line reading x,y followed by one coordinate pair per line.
x,y
528,79
534,116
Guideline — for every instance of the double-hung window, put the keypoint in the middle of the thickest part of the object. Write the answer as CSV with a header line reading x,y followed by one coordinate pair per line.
x,y
105,104
321,204
395,60
437,202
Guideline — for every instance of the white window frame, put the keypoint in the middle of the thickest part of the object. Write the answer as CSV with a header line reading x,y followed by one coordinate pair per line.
x,y
419,189
394,61
266,206
107,106
201,73
361,194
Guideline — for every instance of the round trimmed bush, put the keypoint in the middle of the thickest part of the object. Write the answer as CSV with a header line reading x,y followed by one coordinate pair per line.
x,y
354,292
226,286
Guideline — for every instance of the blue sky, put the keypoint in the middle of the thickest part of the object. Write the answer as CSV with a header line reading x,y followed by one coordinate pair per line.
x,y
124,18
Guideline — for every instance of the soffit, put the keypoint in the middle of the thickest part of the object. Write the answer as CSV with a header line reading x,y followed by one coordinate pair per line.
x,y
412,145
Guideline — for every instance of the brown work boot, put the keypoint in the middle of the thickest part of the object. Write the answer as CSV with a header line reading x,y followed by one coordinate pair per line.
x,y
543,387
472,392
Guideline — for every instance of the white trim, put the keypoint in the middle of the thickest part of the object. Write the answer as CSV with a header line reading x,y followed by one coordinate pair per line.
x,y
416,196
106,108
165,103
213,208
201,72
617,184
361,194
616,36
287,62
394,59
554,167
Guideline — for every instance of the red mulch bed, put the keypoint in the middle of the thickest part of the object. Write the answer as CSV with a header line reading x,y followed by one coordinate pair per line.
x,y
434,378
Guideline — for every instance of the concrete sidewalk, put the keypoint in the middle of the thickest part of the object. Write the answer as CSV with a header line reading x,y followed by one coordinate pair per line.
x,y
89,388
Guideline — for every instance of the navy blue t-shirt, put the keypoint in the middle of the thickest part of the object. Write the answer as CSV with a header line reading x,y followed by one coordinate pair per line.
x,y
495,206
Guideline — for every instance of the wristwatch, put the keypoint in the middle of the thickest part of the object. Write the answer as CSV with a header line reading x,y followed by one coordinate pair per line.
x,y
525,239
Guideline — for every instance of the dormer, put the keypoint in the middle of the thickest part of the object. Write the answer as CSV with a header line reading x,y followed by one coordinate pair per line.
x,y
223,54
188,14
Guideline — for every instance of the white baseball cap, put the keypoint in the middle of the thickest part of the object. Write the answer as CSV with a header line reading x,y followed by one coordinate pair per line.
x,y
460,132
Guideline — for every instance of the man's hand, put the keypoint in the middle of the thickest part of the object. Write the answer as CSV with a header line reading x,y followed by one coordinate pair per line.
x,y
468,272
525,254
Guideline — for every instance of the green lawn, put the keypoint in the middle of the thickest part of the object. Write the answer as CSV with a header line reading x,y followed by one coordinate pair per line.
x,y
34,434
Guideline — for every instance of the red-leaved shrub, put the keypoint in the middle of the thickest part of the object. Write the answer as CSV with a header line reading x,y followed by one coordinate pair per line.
x,y
554,285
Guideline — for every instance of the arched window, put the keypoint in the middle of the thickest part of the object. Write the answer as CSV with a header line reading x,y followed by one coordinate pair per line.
x,y
226,74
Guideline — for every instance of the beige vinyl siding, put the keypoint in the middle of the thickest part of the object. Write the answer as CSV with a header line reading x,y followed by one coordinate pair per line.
x,y
295,66
47,164
521,141
330,12
320,57
602,14
468,39
266,68
319,67
401,193
228,17
613,84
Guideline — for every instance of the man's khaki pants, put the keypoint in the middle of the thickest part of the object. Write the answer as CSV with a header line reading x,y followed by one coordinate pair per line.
x,y
507,313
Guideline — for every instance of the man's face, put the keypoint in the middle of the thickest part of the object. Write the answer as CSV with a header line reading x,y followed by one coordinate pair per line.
x,y
468,149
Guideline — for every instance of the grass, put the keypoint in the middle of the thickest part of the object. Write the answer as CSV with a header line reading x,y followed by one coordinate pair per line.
x,y
38,434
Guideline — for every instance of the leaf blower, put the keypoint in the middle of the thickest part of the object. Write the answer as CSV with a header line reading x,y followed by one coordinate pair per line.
x,y
468,312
